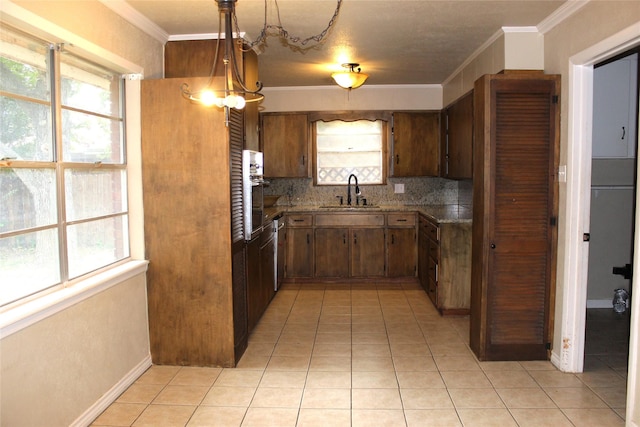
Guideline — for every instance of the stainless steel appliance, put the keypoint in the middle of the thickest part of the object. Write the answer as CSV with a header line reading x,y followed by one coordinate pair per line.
x,y
278,258
252,192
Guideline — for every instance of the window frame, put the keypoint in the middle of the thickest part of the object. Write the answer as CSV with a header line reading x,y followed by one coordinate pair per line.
x,y
59,166
352,116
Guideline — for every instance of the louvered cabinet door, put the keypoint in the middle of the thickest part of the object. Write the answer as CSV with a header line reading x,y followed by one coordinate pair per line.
x,y
515,205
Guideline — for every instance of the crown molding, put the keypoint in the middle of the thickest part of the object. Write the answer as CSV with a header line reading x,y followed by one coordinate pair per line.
x,y
126,11
560,14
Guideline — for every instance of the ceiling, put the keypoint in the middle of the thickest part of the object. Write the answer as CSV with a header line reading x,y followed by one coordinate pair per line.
x,y
395,41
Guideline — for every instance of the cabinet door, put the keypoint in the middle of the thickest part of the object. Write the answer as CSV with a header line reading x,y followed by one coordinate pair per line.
x,y
401,252
253,283
367,252
416,144
285,144
514,215
423,255
332,252
459,139
299,253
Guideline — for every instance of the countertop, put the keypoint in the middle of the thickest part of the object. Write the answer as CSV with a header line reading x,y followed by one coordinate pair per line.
x,y
438,213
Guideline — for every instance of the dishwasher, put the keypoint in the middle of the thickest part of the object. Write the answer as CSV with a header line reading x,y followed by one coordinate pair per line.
x,y
278,258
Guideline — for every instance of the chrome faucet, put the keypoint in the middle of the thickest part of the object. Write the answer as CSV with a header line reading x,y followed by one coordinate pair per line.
x,y
349,189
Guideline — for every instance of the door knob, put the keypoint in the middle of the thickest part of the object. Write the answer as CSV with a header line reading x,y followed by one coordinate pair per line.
x,y
493,246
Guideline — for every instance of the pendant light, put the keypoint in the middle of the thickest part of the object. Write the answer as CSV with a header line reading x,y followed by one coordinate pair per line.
x,y
352,78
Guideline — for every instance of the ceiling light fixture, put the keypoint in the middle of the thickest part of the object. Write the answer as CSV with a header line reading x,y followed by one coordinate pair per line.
x,y
235,93
352,78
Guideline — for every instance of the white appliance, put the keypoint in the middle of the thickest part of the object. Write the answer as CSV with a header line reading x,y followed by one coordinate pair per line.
x,y
252,192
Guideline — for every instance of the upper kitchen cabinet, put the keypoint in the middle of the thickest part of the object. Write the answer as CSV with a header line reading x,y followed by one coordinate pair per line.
x,y
515,205
194,58
457,139
191,163
416,143
285,144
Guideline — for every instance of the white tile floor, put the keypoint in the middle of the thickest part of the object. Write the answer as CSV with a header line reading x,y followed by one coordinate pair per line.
x,y
367,355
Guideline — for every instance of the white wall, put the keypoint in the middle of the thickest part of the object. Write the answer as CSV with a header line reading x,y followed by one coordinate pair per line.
x,y
65,357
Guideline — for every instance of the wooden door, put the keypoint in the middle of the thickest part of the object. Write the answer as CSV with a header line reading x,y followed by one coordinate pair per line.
x,y
285,139
299,253
332,252
367,252
416,144
515,205
401,250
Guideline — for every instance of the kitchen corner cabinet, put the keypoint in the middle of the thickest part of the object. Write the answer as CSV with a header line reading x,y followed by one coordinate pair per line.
x,y
285,144
445,264
300,242
195,282
457,141
402,253
515,203
416,144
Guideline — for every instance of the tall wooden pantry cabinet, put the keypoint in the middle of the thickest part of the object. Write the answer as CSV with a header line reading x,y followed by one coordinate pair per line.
x,y
191,165
515,205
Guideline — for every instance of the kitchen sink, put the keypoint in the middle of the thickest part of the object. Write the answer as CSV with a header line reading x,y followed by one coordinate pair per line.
x,y
350,207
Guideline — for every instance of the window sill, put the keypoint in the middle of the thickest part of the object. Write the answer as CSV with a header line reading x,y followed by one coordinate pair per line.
x,y
22,316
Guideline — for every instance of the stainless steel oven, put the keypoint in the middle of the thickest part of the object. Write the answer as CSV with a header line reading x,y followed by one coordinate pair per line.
x,y
252,192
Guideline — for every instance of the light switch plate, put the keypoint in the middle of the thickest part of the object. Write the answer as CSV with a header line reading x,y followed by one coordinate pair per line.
x,y
562,173
399,188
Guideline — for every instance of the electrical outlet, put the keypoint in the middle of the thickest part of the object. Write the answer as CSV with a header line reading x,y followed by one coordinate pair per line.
x,y
562,173
398,188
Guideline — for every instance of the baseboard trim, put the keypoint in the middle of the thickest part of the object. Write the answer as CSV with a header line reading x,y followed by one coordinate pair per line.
x,y
110,396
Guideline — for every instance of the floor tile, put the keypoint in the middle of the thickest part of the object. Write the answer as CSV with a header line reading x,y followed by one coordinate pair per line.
x,y
468,379
330,363
283,379
432,418
339,398
420,398
196,376
181,395
267,397
377,418
555,378
372,364
540,418
165,416
594,417
238,378
456,363
229,396
320,379
210,416
580,397
525,398
158,374
486,418
511,379
120,414
429,379
368,398
378,379
140,393
475,398
310,417
270,417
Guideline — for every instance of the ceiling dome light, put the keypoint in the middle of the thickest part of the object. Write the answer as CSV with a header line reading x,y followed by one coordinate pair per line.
x,y
351,79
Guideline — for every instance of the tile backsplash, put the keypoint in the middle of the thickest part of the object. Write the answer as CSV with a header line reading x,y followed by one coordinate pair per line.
x,y
417,191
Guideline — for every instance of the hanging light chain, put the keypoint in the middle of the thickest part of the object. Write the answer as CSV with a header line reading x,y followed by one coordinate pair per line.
x,y
282,32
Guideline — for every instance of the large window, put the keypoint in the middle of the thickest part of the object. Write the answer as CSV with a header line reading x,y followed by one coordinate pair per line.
x,y
63,177
344,148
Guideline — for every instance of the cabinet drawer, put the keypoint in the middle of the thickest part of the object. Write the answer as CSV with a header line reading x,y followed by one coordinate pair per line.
x,y
432,272
432,231
299,220
400,219
360,220
434,251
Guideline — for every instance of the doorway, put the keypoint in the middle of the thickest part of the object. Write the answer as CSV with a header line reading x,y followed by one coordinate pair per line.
x,y
612,210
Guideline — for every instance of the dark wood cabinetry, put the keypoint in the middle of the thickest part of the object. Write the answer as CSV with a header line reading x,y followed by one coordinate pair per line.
x,y
514,215
300,242
445,264
401,245
457,141
195,277
367,252
332,252
285,144
260,277
416,144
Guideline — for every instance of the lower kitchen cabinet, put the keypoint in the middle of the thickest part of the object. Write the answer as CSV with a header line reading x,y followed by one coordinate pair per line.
x,y
300,242
401,245
367,252
445,264
260,275
332,252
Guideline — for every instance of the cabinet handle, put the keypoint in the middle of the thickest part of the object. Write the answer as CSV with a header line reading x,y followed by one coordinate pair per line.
x,y
298,220
493,246
308,240
344,239
397,159
401,220
393,240
623,132
303,161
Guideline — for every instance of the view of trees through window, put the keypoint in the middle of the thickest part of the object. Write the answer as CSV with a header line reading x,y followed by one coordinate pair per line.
x,y
63,192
